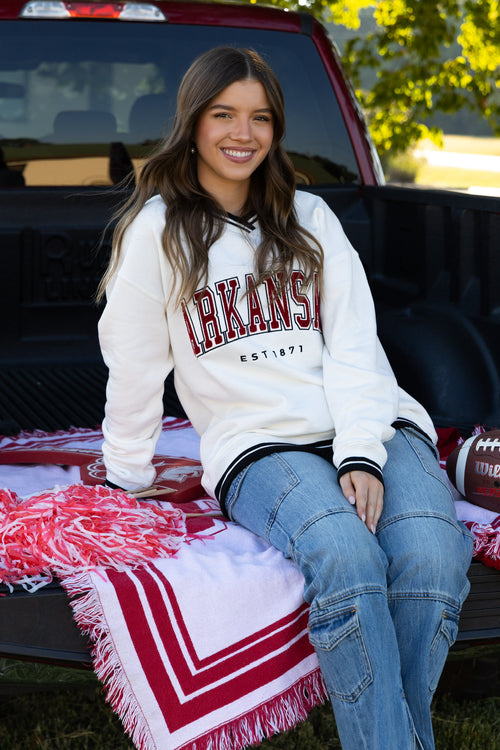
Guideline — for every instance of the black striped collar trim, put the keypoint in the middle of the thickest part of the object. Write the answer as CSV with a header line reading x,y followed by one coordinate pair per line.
x,y
247,222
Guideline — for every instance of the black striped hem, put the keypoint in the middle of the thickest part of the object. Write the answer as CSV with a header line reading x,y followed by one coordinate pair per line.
x,y
322,448
400,424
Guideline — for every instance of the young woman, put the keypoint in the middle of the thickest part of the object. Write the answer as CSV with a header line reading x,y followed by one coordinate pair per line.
x,y
254,293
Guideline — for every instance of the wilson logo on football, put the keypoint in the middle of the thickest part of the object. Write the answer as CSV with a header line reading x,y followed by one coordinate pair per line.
x,y
484,469
474,469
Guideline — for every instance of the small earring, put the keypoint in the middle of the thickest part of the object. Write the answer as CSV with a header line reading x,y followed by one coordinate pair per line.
x,y
193,149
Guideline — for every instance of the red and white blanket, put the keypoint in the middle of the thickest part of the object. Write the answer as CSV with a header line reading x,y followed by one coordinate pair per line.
x,y
206,648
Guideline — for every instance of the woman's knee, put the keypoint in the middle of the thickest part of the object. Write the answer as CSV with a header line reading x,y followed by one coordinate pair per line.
x,y
427,548
428,556
339,558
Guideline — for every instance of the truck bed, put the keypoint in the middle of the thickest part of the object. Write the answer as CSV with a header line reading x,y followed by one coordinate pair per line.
x,y
430,260
40,626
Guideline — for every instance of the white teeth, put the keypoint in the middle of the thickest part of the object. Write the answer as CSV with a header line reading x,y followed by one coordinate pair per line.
x,y
237,154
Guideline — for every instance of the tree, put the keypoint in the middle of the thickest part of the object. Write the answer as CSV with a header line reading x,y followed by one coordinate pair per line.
x,y
427,57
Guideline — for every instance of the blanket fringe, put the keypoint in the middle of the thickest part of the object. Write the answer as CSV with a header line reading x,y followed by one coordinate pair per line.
x,y
486,543
284,712
88,614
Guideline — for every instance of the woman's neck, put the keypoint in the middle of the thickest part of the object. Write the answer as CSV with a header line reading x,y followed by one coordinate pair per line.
x,y
234,199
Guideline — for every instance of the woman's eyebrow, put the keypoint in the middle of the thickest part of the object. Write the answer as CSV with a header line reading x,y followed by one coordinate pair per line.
x,y
221,106
230,108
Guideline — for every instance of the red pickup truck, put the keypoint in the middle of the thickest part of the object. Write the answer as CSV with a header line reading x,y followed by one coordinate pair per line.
x,y
86,89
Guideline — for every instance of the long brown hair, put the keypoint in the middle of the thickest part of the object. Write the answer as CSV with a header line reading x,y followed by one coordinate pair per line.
x,y
194,220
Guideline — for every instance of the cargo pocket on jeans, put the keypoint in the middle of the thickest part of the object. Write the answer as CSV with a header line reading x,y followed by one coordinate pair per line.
x,y
338,641
443,640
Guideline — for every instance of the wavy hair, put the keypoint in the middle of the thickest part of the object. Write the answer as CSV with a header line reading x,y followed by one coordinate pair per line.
x,y
194,220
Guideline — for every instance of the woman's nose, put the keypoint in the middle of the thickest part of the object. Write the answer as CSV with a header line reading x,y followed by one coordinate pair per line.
x,y
242,129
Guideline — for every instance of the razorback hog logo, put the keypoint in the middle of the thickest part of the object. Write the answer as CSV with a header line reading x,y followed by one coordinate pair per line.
x,y
179,473
218,319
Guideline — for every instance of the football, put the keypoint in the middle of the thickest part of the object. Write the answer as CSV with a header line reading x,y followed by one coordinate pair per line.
x,y
474,469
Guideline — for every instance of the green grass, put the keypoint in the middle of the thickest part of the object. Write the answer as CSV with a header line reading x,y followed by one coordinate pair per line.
x,y
457,726
60,720
66,710
79,720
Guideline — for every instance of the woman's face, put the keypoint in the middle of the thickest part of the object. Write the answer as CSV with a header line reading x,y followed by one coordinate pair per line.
x,y
233,137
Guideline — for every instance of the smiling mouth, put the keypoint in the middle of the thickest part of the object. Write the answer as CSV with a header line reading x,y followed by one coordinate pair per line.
x,y
237,155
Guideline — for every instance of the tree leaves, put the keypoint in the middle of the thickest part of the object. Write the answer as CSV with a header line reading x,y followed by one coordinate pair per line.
x,y
427,57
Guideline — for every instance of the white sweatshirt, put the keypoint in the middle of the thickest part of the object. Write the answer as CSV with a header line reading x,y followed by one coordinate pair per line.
x,y
253,377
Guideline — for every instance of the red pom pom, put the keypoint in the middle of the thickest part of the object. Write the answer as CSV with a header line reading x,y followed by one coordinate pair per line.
x,y
72,529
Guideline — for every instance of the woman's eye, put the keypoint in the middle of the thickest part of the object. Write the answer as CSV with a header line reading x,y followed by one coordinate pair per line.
x,y
222,115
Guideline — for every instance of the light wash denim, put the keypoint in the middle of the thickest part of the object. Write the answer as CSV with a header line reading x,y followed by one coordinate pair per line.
x,y
385,607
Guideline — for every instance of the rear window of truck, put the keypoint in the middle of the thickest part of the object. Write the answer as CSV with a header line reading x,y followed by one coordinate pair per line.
x,y
83,102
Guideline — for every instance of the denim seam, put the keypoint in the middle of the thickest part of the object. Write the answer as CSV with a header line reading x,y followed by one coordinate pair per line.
x,y
447,630
418,514
331,601
419,454
235,487
430,596
318,517
352,631
327,615
294,481
423,438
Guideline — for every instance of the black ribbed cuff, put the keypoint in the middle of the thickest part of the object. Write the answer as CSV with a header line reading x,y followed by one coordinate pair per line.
x,y
359,463
113,486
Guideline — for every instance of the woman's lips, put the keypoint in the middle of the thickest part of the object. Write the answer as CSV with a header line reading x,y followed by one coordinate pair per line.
x,y
238,155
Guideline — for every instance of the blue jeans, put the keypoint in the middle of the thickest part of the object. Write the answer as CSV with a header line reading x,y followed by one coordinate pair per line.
x,y
384,608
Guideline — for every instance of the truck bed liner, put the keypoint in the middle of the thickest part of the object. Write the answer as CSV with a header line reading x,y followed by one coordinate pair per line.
x,y
58,397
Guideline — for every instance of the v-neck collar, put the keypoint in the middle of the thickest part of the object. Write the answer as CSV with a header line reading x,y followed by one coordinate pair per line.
x,y
246,222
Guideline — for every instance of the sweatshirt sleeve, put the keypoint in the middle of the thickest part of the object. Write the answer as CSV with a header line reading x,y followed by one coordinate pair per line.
x,y
360,386
134,339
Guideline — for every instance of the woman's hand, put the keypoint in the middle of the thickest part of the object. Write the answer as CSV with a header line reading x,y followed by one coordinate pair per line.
x,y
367,493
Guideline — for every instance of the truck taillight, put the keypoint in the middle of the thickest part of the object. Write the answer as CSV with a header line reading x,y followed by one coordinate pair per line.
x,y
121,11
89,10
